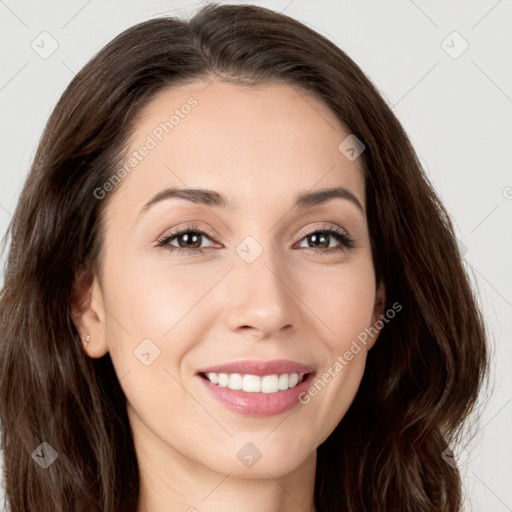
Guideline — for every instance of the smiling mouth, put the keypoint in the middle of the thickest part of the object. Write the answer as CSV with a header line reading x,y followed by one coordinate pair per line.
x,y
254,383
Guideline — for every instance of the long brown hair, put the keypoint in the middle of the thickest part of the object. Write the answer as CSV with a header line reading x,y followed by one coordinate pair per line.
x,y
422,377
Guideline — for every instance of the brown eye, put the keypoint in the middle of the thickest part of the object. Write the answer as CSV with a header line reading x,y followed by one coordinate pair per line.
x,y
188,238
321,239
190,241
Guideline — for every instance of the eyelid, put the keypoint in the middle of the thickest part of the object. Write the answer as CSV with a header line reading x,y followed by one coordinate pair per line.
x,y
324,227
346,241
173,233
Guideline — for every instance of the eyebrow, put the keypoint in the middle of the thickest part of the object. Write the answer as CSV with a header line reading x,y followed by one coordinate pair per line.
x,y
213,198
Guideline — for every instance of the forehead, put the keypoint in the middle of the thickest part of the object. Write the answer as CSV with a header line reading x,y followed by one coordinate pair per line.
x,y
253,142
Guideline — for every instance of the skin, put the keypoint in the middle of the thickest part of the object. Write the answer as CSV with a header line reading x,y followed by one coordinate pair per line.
x,y
260,147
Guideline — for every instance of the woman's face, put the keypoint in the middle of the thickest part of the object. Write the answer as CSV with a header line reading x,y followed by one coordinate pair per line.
x,y
269,282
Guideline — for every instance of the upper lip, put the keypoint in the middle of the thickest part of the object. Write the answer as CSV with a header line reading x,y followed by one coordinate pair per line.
x,y
261,368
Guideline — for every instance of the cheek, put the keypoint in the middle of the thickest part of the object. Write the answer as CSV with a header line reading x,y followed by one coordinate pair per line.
x,y
154,301
343,300
149,332
152,320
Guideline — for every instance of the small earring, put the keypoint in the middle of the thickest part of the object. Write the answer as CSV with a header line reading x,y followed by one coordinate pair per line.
x,y
87,338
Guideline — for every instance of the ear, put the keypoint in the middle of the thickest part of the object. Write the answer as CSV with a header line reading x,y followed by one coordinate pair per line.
x,y
88,313
378,310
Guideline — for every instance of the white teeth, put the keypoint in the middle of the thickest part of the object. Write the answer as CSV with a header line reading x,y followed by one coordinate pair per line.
x,y
214,377
255,383
294,379
252,383
270,384
283,381
236,381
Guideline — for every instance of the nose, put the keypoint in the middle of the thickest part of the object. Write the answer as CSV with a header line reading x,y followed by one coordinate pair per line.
x,y
260,296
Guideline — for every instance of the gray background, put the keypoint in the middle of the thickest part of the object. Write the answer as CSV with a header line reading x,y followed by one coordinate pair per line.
x,y
457,109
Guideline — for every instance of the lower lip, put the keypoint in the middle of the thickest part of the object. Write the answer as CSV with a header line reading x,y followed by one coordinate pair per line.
x,y
258,404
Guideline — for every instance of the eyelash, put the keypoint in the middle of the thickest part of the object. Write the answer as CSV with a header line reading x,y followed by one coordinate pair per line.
x,y
339,234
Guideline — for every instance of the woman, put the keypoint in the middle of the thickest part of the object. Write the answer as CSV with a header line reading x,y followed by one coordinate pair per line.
x,y
231,285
